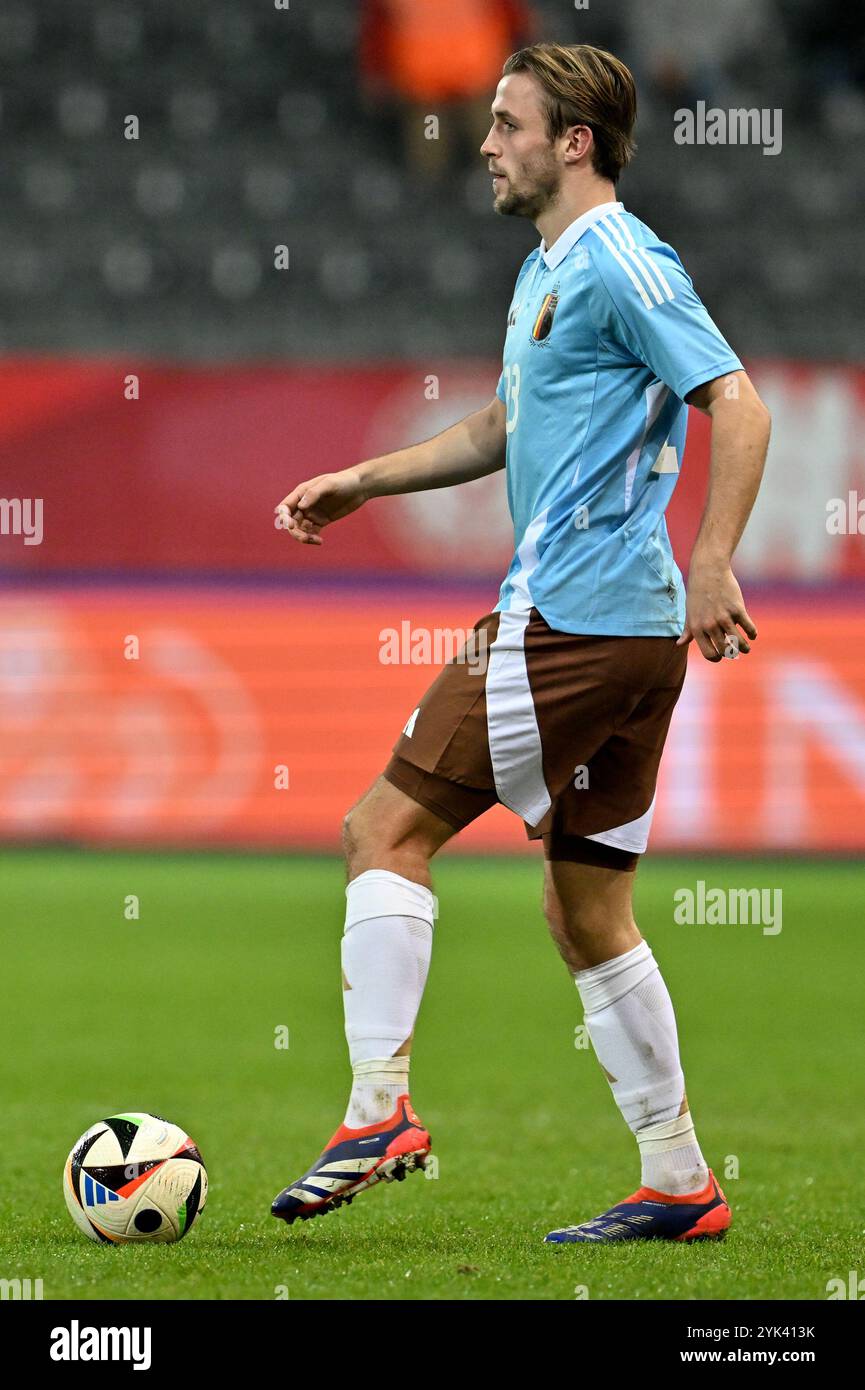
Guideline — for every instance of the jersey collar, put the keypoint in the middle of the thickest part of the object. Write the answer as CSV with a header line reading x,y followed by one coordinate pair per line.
x,y
555,254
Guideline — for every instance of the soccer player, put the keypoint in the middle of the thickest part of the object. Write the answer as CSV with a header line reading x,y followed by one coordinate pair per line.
x,y
584,655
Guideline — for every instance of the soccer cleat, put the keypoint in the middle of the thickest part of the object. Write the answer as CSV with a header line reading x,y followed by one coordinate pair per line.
x,y
354,1160
651,1215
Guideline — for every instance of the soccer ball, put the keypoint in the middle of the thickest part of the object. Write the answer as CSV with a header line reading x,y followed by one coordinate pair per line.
x,y
134,1177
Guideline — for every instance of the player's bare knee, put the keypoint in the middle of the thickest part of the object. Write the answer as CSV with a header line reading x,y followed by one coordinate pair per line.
x,y
553,910
369,837
360,835
581,926
387,830
349,844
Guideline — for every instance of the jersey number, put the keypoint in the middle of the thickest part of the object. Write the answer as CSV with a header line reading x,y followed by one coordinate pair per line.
x,y
512,397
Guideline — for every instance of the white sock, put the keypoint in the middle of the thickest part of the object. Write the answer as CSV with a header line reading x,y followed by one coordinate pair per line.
x,y
377,1086
671,1157
630,1019
386,952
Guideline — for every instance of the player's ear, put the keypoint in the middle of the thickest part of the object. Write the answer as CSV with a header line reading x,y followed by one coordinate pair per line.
x,y
580,141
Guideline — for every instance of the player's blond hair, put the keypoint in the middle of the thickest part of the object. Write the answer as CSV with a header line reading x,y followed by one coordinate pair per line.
x,y
583,85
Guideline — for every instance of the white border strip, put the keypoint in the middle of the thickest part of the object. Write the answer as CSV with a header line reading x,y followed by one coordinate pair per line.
x,y
633,836
512,725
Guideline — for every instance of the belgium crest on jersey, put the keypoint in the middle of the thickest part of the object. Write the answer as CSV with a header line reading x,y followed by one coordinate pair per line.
x,y
544,320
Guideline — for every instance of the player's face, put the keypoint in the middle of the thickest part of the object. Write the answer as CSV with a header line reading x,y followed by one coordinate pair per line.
x,y
520,155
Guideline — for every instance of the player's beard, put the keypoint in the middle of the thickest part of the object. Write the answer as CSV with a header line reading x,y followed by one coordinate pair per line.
x,y
535,187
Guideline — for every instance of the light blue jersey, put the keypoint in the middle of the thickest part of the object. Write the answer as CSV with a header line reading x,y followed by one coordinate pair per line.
x,y
605,338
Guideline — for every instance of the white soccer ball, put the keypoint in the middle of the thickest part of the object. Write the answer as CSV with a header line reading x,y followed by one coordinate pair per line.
x,y
134,1177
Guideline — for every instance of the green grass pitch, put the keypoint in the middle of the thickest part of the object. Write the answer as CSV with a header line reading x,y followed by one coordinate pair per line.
x,y
176,1013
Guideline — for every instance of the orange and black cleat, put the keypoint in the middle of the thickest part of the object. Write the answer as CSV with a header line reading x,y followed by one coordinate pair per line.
x,y
651,1215
354,1160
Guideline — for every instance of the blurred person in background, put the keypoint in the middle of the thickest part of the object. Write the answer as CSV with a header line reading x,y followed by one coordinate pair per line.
x,y
682,52
439,58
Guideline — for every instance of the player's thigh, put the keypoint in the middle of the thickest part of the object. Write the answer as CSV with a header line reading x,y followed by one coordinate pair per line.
x,y
386,821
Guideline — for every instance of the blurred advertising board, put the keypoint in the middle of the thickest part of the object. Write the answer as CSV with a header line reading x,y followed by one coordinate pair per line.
x,y
253,717
176,470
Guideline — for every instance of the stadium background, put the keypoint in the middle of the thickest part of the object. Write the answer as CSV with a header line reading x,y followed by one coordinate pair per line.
x,y
164,650
164,384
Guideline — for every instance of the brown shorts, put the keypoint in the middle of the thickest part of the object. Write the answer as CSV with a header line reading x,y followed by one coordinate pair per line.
x,y
567,731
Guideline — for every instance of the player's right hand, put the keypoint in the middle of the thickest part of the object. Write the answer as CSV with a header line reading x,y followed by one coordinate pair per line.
x,y
312,505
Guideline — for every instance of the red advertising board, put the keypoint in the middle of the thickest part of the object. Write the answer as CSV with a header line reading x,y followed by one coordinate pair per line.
x,y
178,470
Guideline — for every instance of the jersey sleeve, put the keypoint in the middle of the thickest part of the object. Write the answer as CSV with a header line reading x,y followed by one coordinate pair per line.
x,y
645,302
500,389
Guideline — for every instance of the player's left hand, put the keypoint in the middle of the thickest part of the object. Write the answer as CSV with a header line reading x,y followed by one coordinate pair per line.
x,y
716,612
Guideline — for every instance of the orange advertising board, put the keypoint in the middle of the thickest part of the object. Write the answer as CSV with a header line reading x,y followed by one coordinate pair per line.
x,y
256,717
